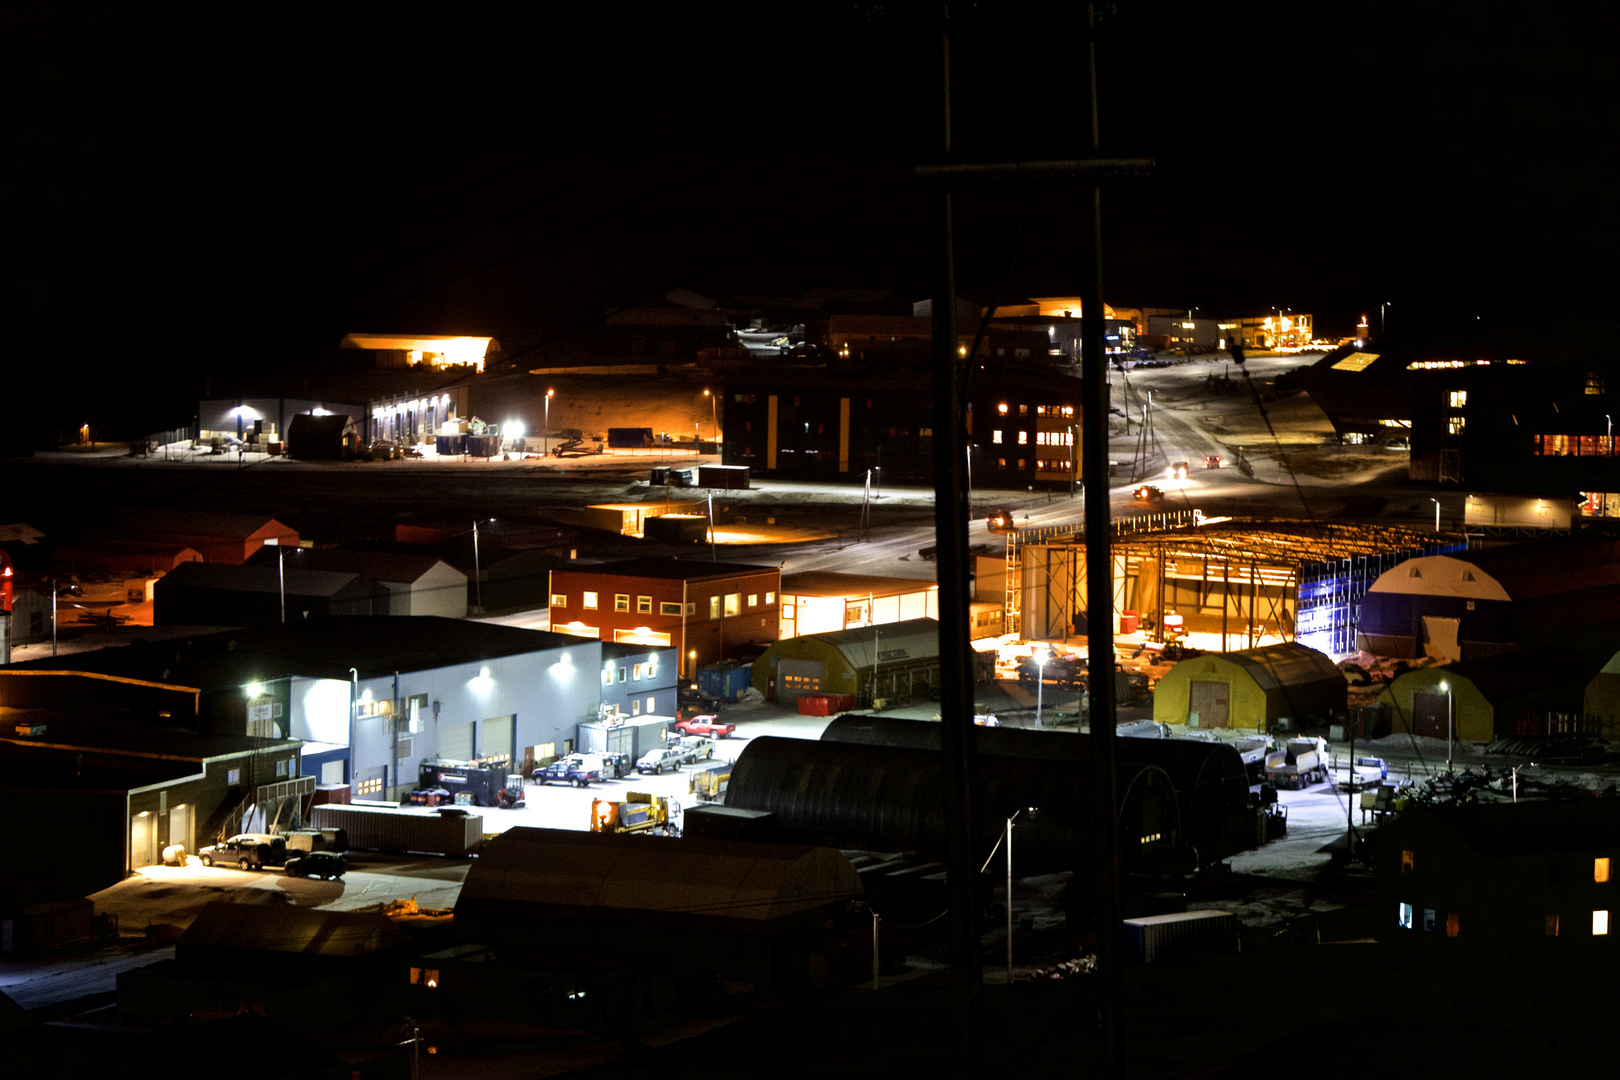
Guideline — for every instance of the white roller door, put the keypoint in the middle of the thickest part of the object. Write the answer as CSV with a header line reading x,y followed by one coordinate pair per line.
x,y
456,742
497,740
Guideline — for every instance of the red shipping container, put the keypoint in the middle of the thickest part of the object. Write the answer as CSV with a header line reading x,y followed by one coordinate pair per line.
x,y
825,704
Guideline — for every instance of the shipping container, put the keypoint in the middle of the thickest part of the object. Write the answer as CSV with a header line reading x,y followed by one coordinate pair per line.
x,y
727,680
731,477
825,704
1156,937
381,828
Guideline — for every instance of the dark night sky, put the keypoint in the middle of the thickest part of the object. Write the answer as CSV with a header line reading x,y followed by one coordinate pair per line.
x,y
190,187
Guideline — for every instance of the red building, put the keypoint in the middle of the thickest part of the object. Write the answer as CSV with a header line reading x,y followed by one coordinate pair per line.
x,y
710,611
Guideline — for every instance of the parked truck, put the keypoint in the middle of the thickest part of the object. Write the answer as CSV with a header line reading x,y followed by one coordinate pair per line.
x,y
468,782
1300,763
710,784
639,812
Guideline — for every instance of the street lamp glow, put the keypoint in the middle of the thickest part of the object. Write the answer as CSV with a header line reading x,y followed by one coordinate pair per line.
x,y
545,438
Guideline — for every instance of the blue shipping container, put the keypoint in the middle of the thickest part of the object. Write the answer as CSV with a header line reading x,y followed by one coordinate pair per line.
x,y
727,681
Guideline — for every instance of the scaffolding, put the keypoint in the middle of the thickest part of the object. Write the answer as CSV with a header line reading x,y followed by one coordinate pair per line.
x,y
1243,579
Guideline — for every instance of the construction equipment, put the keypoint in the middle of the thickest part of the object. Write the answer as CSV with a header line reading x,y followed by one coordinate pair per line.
x,y
710,784
1301,763
638,813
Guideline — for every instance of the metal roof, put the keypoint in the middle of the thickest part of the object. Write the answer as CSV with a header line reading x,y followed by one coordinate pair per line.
x,y
827,583
1287,664
291,929
756,882
914,639
257,579
371,565
672,569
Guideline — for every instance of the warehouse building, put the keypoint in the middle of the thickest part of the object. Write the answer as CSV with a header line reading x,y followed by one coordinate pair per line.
x,y
900,660
211,594
1252,689
1481,603
415,584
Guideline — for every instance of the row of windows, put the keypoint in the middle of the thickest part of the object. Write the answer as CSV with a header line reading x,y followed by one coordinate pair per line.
x,y
1574,445
1601,867
634,672
731,603
1042,438
1040,410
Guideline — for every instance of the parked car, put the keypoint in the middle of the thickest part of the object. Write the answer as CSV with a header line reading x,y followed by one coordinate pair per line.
x,y
616,764
696,747
660,758
706,724
1148,493
576,769
326,865
690,697
246,851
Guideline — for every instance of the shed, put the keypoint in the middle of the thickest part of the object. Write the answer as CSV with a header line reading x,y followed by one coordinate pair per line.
x,y
1462,607
730,477
626,519
901,657
416,584
208,594
1533,692
1250,688
322,438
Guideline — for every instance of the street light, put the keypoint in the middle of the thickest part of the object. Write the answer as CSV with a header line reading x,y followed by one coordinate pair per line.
x,y
281,574
545,440
714,412
1610,420
1446,689
1381,308
1436,514
1030,810
478,573
1040,684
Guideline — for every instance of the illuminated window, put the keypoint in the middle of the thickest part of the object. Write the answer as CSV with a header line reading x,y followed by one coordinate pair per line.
x,y
1020,463
1600,870
1002,409
1594,382
1552,926
1407,858
652,704
428,977
559,599
1406,916
234,776
770,598
1023,410
643,605
995,437
607,675
621,601
1600,923
714,607
753,600
666,608
1023,438
588,602
733,603
370,786
1452,924
1455,425
1457,399
1001,463
635,672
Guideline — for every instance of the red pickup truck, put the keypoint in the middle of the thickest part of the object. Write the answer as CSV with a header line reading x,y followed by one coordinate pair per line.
x,y
706,724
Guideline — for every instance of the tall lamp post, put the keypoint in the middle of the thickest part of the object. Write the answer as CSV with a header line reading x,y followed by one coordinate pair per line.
x,y
1023,810
1040,684
714,413
545,440
1446,689
1436,513
281,574
478,572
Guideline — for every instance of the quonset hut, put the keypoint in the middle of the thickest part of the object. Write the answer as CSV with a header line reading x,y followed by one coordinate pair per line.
x,y
1208,779
886,798
1251,688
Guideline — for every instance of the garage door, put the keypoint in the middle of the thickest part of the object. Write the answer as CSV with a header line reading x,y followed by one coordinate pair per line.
x,y
142,841
180,826
795,677
1429,713
456,742
497,741
1211,701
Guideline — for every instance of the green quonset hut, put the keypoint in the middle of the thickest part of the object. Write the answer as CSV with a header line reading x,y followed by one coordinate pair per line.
x,y
1530,693
1251,688
892,660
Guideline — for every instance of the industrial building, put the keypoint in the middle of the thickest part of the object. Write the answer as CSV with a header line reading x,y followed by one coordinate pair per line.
x,y
1251,689
819,602
1475,604
709,611
899,660
371,697
781,910
218,537
1530,693
1234,582
1533,875
212,594
415,584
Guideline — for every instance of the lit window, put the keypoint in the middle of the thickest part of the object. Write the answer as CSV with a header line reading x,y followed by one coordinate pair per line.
x,y
666,608
1552,926
588,602
1023,410
995,437
770,598
643,605
1600,870
1023,438
607,675
621,601
234,776
1002,409
1456,424
753,600
559,599
635,673
1406,916
714,607
1600,923
733,603
652,705
428,977
1457,399
635,707
1407,859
